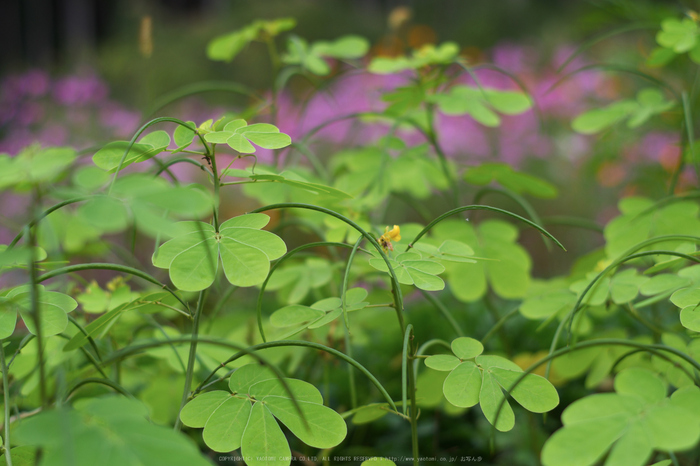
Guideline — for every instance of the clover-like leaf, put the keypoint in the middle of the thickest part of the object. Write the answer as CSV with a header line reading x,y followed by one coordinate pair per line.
x,y
147,147
631,423
311,57
53,307
621,288
649,102
639,222
481,103
227,46
411,269
427,55
510,178
118,304
507,265
147,201
318,314
286,177
239,135
245,418
245,252
483,380
681,36
34,165
293,282
118,424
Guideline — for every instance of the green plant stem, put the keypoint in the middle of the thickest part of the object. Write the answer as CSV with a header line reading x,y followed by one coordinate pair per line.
x,y
690,133
395,287
42,215
281,260
191,360
488,302
172,162
198,88
36,313
481,207
107,382
444,311
653,349
518,199
6,401
72,320
496,327
301,343
572,222
108,266
431,135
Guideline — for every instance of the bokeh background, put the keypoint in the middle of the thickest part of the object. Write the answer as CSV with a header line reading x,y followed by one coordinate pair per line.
x,y
83,72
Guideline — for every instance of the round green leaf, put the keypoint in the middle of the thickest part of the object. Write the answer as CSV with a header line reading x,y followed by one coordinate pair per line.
x,y
490,398
225,426
264,443
442,362
250,374
463,385
294,315
640,383
196,412
534,393
324,427
467,348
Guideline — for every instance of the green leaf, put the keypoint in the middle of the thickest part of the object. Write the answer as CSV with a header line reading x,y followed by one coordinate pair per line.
x,y
463,385
634,421
294,315
325,428
594,121
638,222
504,174
110,155
119,425
681,36
196,412
287,178
248,375
534,393
442,362
225,425
53,308
467,348
227,46
239,136
346,47
246,419
661,56
264,443
490,398
183,136
244,250
481,103
411,270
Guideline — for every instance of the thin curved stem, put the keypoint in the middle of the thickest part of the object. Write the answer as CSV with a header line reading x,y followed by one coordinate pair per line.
x,y
481,207
395,288
444,311
308,344
6,401
192,356
258,307
108,266
107,382
45,213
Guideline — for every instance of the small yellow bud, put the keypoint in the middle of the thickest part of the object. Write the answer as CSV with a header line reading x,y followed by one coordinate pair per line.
x,y
390,235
